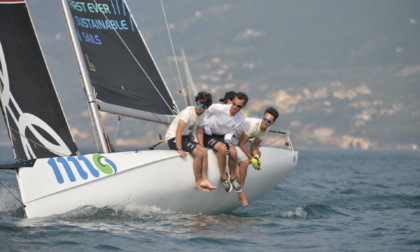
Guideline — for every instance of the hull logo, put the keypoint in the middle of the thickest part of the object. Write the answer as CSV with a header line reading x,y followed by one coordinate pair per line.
x,y
84,167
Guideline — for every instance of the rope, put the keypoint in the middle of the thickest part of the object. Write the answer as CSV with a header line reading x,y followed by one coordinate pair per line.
x,y
117,129
173,51
274,141
163,49
6,119
6,172
13,194
38,144
108,143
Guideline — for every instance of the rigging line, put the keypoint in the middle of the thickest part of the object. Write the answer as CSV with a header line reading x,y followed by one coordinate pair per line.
x,y
138,63
108,143
6,118
6,172
173,75
274,141
38,144
117,129
173,51
5,187
179,85
158,119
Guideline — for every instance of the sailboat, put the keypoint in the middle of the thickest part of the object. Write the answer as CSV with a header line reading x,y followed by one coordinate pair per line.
x,y
119,77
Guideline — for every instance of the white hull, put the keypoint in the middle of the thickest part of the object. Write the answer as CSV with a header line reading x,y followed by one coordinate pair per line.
x,y
158,178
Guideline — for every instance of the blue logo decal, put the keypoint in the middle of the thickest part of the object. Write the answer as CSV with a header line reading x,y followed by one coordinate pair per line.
x,y
101,164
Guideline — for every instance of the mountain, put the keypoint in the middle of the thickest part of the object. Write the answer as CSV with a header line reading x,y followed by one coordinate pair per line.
x,y
343,74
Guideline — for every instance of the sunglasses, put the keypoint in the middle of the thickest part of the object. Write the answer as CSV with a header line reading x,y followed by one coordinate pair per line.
x,y
236,105
200,105
266,120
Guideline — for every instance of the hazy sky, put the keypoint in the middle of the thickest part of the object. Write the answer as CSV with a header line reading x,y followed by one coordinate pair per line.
x,y
305,33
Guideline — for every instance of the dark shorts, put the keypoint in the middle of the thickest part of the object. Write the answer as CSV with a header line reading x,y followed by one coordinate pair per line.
x,y
188,144
211,141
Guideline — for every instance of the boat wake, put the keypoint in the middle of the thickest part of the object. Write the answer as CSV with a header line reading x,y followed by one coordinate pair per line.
x,y
128,211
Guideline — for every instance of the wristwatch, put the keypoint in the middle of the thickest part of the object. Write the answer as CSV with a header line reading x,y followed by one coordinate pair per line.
x,y
179,148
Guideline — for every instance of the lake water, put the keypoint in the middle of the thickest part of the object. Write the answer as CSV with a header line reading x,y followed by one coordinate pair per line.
x,y
332,201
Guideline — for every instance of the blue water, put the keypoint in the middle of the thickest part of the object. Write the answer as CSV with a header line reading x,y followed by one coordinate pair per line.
x,y
332,201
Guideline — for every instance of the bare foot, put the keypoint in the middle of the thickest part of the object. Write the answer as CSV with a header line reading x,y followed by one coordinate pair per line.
x,y
204,189
206,184
242,199
210,185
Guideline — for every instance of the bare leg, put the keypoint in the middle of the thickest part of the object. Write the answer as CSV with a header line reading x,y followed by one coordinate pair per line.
x,y
243,168
205,182
197,161
233,160
221,159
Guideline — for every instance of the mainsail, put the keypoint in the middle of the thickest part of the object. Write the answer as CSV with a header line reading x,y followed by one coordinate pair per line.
x,y
35,131
123,74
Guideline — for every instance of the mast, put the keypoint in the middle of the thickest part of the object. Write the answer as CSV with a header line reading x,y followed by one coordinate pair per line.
x,y
90,94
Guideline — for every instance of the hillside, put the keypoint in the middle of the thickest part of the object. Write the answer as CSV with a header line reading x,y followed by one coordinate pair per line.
x,y
344,74
336,70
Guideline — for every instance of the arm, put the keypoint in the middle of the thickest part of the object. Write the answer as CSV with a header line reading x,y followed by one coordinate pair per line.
x,y
255,147
242,145
200,135
228,136
178,138
239,121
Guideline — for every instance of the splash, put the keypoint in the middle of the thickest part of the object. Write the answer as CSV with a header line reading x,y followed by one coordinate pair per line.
x,y
9,204
298,213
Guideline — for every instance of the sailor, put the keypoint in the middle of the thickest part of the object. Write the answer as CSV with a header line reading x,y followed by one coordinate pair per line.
x,y
249,152
180,138
221,121
228,98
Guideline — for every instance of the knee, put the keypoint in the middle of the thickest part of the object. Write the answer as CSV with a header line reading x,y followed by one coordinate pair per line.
x,y
199,154
233,154
221,148
233,151
203,152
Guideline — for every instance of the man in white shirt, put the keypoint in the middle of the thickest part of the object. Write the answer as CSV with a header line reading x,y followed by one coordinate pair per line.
x,y
180,137
221,121
250,152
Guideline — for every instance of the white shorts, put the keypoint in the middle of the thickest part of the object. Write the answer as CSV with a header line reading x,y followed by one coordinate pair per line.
x,y
240,153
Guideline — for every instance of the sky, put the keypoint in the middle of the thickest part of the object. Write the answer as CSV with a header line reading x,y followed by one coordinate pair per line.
x,y
295,51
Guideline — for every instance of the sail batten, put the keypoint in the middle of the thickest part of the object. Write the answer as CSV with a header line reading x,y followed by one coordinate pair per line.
x,y
121,68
